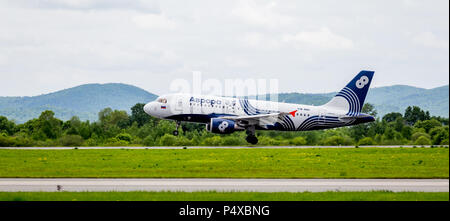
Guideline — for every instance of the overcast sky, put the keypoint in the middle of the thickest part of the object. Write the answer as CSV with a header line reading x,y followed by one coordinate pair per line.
x,y
309,46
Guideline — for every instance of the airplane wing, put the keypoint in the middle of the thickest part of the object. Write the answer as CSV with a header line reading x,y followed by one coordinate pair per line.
x,y
259,119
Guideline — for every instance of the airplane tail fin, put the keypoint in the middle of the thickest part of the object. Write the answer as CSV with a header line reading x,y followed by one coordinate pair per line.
x,y
351,97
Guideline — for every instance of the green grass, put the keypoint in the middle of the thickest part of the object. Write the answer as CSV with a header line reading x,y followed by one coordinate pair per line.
x,y
222,196
229,163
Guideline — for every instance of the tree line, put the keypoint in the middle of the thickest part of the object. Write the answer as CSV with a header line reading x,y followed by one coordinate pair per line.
x,y
118,128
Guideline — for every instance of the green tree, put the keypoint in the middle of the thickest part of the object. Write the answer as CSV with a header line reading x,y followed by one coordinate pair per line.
x,y
399,123
427,124
337,141
48,125
422,141
85,130
149,141
232,141
192,127
407,131
72,126
366,141
7,126
416,135
124,137
120,118
109,118
212,141
368,108
439,134
361,130
104,115
414,114
138,115
298,141
377,127
168,140
6,141
391,117
71,140
391,135
165,127
443,120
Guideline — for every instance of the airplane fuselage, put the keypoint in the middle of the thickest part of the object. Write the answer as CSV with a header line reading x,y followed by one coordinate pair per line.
x,y
226,114
202,108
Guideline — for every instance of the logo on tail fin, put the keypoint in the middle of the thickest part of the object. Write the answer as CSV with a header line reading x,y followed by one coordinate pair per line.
x,y
362,82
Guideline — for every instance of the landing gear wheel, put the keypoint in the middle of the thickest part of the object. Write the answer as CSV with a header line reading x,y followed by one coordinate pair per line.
x,y
175,132
252,139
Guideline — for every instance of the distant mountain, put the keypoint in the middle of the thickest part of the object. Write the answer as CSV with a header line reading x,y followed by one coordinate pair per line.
x,y
398,98
387,99
84,101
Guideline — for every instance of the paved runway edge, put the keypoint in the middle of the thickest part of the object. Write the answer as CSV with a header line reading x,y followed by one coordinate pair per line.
x,y
220,147
253,185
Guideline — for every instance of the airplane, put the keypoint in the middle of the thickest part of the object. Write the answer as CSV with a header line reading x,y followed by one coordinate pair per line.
x,y
224,115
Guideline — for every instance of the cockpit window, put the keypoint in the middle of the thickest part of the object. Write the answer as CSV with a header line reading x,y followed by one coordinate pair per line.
x,y
162,100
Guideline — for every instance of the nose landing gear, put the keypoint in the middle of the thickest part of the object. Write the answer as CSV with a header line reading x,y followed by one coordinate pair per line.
x,y
175,132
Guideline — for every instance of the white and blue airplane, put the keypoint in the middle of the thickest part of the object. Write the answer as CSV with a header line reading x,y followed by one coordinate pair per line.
x,y
225,115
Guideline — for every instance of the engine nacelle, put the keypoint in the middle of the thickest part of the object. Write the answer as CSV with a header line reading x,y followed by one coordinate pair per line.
x,y
222,126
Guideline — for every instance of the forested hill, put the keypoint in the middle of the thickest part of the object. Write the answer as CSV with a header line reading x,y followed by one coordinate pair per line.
x,y
87,100
84,101
387,99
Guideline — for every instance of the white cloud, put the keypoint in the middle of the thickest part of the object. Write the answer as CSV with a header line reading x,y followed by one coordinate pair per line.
x,y
259,40
150,6
3,60
428,39
322,39
59,44
261,15
154,21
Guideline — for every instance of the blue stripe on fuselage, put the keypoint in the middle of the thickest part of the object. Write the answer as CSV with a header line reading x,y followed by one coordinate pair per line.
x,y
198,118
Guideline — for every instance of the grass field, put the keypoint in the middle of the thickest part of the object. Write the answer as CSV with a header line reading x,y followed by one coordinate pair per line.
x,y
229,163
222,196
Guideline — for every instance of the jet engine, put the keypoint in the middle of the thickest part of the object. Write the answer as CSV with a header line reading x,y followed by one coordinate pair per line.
x,y
222,126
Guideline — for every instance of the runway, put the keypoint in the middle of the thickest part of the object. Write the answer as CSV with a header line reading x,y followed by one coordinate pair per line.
x,y
254,185
215,147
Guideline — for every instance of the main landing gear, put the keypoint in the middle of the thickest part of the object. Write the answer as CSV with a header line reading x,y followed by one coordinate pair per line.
x,y
175,132
251,138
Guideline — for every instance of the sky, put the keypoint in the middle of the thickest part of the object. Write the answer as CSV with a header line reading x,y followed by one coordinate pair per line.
x,y
308,46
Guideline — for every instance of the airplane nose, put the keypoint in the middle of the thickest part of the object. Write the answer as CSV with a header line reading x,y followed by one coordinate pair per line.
x,y
147,108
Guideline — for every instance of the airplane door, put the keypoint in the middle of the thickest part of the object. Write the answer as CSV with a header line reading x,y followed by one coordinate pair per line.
x,y
179,105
